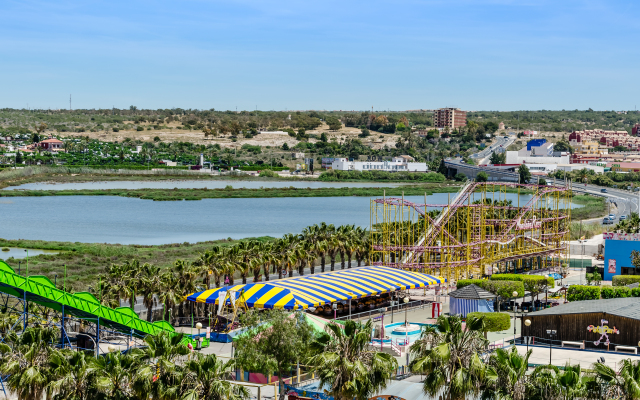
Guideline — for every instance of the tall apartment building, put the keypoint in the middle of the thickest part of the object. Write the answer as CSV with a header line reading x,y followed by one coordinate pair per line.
x,y
451,117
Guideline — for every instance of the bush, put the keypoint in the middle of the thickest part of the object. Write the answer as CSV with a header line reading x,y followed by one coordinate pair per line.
x,y
139,128
460,177
482,177
466,282
615,292
267,173
493,322
503,289
526,279
581,292
623,280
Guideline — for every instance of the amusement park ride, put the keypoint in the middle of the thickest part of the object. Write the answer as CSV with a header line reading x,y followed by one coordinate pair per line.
x,y
479,232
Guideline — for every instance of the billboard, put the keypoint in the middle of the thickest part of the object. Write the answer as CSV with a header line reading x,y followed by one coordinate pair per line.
x,y
532,133
327,161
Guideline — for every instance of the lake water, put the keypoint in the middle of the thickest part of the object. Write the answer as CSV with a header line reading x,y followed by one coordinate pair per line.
x,y
182,184
111,219
21,253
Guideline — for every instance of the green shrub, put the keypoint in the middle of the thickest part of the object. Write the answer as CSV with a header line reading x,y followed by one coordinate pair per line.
x,y
581,292
466,282
526,279
268,174
504,289
617,292
635,292
623,280
493,322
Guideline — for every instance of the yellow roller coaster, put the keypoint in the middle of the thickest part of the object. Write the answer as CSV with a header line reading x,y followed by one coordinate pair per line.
x,y
483,229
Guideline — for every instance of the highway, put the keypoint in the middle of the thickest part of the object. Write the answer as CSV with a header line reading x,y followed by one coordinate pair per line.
x,y
626,201
482,156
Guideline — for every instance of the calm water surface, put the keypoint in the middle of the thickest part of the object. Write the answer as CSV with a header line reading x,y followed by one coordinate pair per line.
x,y
112,219
182,184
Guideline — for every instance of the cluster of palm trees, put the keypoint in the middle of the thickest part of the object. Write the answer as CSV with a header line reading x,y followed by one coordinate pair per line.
x,y
222,265
456,364
164,369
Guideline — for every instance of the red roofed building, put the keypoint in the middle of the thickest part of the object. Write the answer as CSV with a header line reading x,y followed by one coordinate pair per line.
x,y
51,144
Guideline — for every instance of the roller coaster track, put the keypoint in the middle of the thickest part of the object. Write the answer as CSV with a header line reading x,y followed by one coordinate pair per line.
x,y
437,225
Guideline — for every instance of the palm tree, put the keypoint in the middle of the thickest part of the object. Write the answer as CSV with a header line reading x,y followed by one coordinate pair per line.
x,y
26,361
115,373
149,284
346,363
159,374
448,355
207,377
625,384
510,373
71,373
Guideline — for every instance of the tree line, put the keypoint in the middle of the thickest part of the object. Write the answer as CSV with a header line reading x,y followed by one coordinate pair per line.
x,y
220,266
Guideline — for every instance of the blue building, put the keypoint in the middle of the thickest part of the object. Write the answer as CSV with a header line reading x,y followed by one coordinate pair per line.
x,y
617,258
535,143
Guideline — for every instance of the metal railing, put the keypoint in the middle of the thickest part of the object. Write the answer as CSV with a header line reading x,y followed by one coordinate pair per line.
x,y
376,314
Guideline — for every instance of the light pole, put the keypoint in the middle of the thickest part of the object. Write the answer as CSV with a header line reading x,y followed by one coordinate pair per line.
x,y
527,322
27,263
551,333
515,308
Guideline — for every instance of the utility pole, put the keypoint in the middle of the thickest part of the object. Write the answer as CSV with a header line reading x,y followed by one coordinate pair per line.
x,y
69,102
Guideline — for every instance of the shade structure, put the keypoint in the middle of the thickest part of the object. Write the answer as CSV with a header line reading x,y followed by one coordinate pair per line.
x,y
314,290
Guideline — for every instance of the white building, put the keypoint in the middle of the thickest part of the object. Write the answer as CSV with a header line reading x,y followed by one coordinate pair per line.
x,y
524,157
402,163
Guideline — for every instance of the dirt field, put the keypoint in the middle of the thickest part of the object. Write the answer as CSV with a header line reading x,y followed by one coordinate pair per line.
x,y
264,139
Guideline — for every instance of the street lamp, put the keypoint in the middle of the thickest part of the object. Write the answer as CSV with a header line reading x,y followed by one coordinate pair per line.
x,y
527,322
515,308
551,333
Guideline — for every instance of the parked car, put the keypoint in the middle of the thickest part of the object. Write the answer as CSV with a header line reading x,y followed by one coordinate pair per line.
x,y
623,217
603,190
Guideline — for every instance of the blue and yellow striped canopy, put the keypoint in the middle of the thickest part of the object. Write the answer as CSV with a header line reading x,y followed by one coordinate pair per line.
x,y
314,290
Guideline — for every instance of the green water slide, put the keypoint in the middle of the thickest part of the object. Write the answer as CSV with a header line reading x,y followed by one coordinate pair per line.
x,y
83,305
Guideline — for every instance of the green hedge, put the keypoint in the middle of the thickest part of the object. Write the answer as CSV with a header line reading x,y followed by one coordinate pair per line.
x,y
623,280
581,292
526,279
608,292
493,322
503,289
466,282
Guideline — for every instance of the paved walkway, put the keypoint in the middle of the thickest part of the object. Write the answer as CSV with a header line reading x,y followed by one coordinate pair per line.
x,y
560,357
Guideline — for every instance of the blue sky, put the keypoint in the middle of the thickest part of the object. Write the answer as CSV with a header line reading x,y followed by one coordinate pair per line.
x,y
276,55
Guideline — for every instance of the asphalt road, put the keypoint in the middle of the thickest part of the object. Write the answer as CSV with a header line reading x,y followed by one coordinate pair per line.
x,y
481,156
626,201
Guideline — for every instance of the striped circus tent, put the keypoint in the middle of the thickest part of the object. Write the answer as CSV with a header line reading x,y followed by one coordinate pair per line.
x,y
307,291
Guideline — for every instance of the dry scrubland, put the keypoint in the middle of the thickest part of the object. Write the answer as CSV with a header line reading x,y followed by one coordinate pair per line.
x,y
173,134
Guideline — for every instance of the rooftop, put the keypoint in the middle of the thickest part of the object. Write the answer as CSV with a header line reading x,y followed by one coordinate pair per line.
x,y
628,307
472,292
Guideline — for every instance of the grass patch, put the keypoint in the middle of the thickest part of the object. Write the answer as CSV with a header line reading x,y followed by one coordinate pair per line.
x,y
204,193
85,261
593,207
587,230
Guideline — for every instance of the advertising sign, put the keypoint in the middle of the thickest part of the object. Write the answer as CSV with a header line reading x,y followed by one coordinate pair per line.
x,y
621,236
604,332
612,266
208,335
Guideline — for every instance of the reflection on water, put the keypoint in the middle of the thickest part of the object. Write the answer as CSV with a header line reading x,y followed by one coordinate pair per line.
x,y
113,219
182,184
21,253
